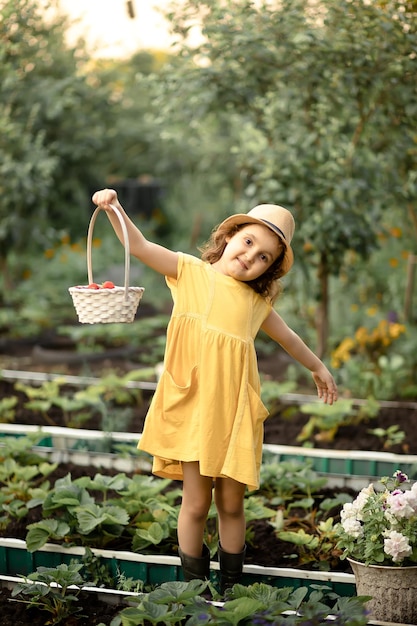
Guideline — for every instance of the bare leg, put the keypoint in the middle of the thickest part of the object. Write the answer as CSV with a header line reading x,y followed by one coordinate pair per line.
x,y
229,498
196,500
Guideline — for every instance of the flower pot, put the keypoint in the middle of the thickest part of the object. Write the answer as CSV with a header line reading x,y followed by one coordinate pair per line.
x,y
393,591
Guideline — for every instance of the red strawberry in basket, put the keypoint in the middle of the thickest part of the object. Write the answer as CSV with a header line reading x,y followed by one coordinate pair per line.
x,y
93,286
108,284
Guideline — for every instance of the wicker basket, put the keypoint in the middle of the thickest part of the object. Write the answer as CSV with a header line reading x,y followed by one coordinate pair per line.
x,y
105,306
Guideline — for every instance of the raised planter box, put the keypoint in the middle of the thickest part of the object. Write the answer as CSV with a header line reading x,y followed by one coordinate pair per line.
x,y
112,596
342,467
352,468
79,446
156,569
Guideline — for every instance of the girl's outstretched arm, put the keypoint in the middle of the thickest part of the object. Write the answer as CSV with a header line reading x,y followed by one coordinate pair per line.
x,y
157,257
277,329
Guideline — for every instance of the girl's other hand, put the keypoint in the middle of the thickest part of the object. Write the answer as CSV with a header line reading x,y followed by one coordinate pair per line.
x,y
326,386
105,197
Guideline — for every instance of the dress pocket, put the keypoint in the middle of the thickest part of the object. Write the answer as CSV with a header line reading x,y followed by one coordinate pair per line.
x,y
250,429
258,410
172,399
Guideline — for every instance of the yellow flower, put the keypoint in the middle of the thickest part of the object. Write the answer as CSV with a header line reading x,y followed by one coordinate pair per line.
x,y
396,232
393,262
65,239
96,243
342,353
372,311
361,335
382,326
354,307
395,330
49,253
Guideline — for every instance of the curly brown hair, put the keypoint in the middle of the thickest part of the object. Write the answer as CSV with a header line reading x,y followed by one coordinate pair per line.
x,y
267,284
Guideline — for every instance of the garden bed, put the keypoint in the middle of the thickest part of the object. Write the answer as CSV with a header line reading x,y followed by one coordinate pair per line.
x,y
83,447
98,607
353,454
155,569
264,550
283,426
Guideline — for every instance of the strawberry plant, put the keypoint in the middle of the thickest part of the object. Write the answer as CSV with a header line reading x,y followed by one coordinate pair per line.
x,y
19,484
136,510
181,603
288,481
324,420
392,435
54,590
74,407
104,397
7,409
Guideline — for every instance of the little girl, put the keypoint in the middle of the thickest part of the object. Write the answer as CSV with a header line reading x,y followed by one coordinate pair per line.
x,y
205,422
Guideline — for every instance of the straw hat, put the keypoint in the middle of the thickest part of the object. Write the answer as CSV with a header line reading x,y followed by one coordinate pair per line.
x,y
277,218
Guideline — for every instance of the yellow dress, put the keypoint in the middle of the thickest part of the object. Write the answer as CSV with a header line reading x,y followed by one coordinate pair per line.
x,y
207,404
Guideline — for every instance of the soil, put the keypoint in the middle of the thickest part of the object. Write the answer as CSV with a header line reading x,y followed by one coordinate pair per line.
x,y
282,427
93,613
264,549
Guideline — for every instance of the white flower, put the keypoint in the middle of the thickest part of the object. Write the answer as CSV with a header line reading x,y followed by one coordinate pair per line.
x,y
349,519
381,521
396,545
355,508
348,510
352,527
400,505
364,496
412,497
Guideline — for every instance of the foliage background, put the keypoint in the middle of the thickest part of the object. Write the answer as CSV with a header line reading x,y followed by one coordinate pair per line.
x,y
309,105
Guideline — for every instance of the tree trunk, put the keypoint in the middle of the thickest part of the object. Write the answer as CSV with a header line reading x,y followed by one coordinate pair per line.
x,y
322,313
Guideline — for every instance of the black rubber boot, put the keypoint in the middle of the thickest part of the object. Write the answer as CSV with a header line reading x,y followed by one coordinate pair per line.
x,y
195,567
231,567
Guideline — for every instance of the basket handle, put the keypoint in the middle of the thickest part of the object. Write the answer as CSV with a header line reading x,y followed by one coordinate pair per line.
x,y
125,242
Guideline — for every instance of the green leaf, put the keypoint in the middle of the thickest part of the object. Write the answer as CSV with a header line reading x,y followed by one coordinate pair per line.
x,y
93,515
177,591
148,611
256,509
102,482
235,611
302,503
39,533
299,538
153,534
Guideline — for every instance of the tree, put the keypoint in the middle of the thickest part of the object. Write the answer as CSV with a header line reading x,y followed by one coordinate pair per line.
x,y
320,100
53,121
